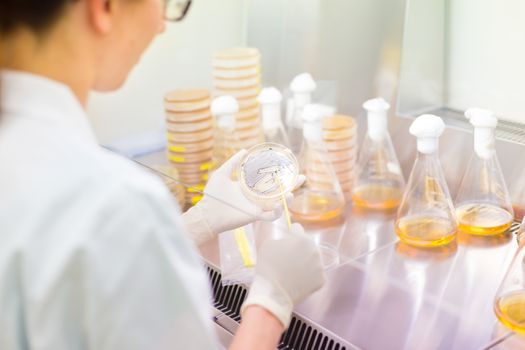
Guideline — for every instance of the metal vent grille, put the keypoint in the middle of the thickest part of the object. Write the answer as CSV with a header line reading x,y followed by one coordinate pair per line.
x,y
506,130
301,334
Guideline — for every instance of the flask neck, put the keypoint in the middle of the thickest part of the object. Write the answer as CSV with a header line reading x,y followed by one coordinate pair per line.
x,y
312,131
226,121
484,145
271,116
377,125
301,99
428,145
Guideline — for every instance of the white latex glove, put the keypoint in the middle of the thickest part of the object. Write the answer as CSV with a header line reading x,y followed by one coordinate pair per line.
x,y
287,271
224,207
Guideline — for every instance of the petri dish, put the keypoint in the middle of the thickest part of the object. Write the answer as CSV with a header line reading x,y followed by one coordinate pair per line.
x,y
342,134
197,136
345,154
185,168
319,186
190,146
188,117
189,127
193,198
267,172
187,100
347,186
186,106
336,145
248,103
238,93
187,95
248,113
345,176
194,177
248,143
238,83
190,157
254,122
236,57
339,122
249,133
243,72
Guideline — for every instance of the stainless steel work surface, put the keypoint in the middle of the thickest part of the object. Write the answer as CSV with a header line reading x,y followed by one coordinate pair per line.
x,y
387,295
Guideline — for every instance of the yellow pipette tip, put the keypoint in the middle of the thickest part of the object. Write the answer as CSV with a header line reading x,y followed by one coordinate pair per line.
x,y
244,247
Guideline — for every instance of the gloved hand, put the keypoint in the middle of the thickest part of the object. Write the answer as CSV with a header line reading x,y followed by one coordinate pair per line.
x,y
287,271
224,207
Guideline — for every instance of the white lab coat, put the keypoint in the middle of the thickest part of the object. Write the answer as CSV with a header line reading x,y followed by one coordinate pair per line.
x,y
92,251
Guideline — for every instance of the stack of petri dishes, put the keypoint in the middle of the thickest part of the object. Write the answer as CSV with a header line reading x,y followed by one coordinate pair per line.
x,y
189,129
170,176
340,139
237,73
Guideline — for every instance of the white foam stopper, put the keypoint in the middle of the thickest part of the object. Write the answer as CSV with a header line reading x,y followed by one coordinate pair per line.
x,y
377,109
224,108
484,122
427,128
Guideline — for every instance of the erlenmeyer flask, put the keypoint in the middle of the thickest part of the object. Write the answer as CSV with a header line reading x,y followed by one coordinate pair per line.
x,y
483,202
320,198
224,109
302,87
426,216
270,104
380,181
509,304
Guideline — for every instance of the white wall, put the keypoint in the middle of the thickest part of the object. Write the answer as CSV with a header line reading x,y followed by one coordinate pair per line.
x,y
486,56
179,58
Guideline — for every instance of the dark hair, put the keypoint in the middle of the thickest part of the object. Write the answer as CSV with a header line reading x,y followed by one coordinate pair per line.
x,y
36,15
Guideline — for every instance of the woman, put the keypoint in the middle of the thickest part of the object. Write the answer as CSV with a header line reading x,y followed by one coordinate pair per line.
x,y
93,252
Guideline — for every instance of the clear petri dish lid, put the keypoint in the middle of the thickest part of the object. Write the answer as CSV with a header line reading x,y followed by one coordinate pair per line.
x,y
340,134
267,172
250,133
238,93
194,177
338,122
336,145
181,137
249,143
242,72
189,127
191,106
250,123
192,168
248,103
182,147
342,155
344,176
248,113
236,57
195,157
236,84
187,95
188,117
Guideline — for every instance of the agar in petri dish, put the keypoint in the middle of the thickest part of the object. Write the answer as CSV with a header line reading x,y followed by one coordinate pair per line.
x,y
267,172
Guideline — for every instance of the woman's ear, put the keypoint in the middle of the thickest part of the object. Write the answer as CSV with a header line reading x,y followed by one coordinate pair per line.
x,y
100,14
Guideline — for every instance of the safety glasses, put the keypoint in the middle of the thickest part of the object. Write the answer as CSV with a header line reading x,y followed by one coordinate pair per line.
x,y
175,10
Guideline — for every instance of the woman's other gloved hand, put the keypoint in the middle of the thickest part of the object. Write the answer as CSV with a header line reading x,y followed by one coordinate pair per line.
x,y
288,270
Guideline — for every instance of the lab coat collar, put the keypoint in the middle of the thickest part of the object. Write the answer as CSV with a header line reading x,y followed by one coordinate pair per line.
x,y
27,95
